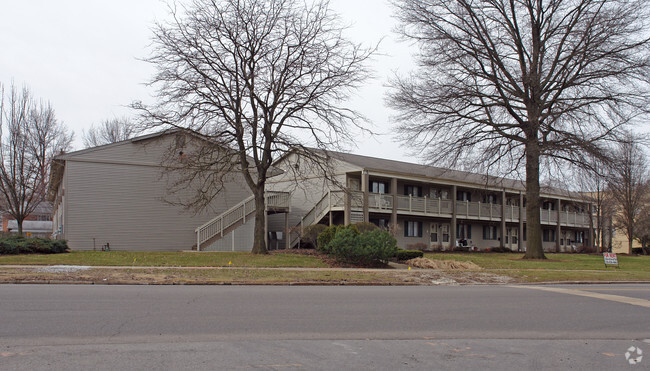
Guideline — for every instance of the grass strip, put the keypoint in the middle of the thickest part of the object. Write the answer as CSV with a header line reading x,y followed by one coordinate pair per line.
x,y
166,259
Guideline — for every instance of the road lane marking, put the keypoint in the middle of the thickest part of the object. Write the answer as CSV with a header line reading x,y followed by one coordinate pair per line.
x,y
614,289
617,298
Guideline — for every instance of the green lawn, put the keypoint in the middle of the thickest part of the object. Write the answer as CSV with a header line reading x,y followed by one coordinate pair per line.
x,y
557,267
166,259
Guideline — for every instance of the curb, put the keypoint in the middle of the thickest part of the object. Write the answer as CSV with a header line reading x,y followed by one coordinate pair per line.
x,y
207,283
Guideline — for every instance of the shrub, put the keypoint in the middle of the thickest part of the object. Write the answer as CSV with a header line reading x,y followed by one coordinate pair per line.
x,y
326,236
408,254
310,234
363,227
366,248
417,246
586,249
20,245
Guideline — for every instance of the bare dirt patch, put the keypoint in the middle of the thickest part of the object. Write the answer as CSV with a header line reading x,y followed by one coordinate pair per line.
x,y
426,263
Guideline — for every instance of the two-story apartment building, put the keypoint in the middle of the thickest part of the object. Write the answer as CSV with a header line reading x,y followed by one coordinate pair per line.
x,y
433,208
116,194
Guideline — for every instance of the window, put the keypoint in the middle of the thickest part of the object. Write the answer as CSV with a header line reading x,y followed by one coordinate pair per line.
x,y
489,199
380,222
463,196
444,228
434,232
463,231
439,193
512,232
378,187
512,202
412,229
548,205
490,232
411,190
43,218
548,235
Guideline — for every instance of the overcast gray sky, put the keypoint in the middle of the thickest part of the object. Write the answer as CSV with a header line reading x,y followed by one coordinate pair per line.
x,y
83,56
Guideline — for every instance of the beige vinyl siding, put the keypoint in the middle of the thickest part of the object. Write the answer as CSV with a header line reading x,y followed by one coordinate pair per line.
x,y
304,196
240,239
123,204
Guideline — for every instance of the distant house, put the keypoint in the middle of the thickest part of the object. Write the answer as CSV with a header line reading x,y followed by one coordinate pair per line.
x,y
37,224
116,195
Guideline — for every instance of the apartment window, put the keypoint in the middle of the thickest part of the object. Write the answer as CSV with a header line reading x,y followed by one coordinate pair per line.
x,y
489,199
548,235
548,205
512,202
439,193
463,196
380,222
490,232
43,218
463,231
512,232
444,229
412,229
378,187
411,190
434,232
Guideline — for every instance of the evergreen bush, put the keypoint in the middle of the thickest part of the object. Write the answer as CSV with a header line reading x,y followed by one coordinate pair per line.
x,y
367,248
13,245
408,254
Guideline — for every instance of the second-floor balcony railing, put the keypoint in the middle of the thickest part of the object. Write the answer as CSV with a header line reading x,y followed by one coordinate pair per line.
x,y
425,206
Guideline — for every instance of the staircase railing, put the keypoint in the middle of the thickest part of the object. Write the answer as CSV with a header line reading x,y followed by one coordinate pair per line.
x,y
318,212
235,214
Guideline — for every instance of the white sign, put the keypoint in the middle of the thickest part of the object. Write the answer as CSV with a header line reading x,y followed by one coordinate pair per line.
x,y
610,258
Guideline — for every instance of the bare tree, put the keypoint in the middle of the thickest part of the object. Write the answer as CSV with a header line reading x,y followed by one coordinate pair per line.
x,y
512,83
642,226
593,185
255,79
29,137
628,183
109,131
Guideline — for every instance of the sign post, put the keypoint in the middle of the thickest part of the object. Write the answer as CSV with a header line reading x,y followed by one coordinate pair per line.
x,y
610,259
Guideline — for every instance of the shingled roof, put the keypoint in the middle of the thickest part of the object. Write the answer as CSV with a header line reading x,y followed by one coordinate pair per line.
x,y
433,173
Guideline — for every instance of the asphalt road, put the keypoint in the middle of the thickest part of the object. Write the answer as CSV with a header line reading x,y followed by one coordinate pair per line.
x,y
52,327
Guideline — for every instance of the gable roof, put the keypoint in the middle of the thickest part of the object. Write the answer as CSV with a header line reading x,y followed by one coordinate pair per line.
x,y
427,172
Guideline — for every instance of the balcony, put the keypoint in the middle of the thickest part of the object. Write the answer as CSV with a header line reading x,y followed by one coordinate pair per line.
x,y
434,207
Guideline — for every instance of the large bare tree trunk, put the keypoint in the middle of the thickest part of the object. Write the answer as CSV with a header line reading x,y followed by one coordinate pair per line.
x,y
534,249
259,244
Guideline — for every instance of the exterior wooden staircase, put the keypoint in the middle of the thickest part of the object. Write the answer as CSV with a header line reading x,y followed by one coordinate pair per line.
x,y
237,215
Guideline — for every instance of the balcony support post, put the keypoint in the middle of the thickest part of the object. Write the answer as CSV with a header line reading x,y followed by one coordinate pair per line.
x,y
592,240
520,238
287,232
503,218
558,228
452,232
393,193
365,186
